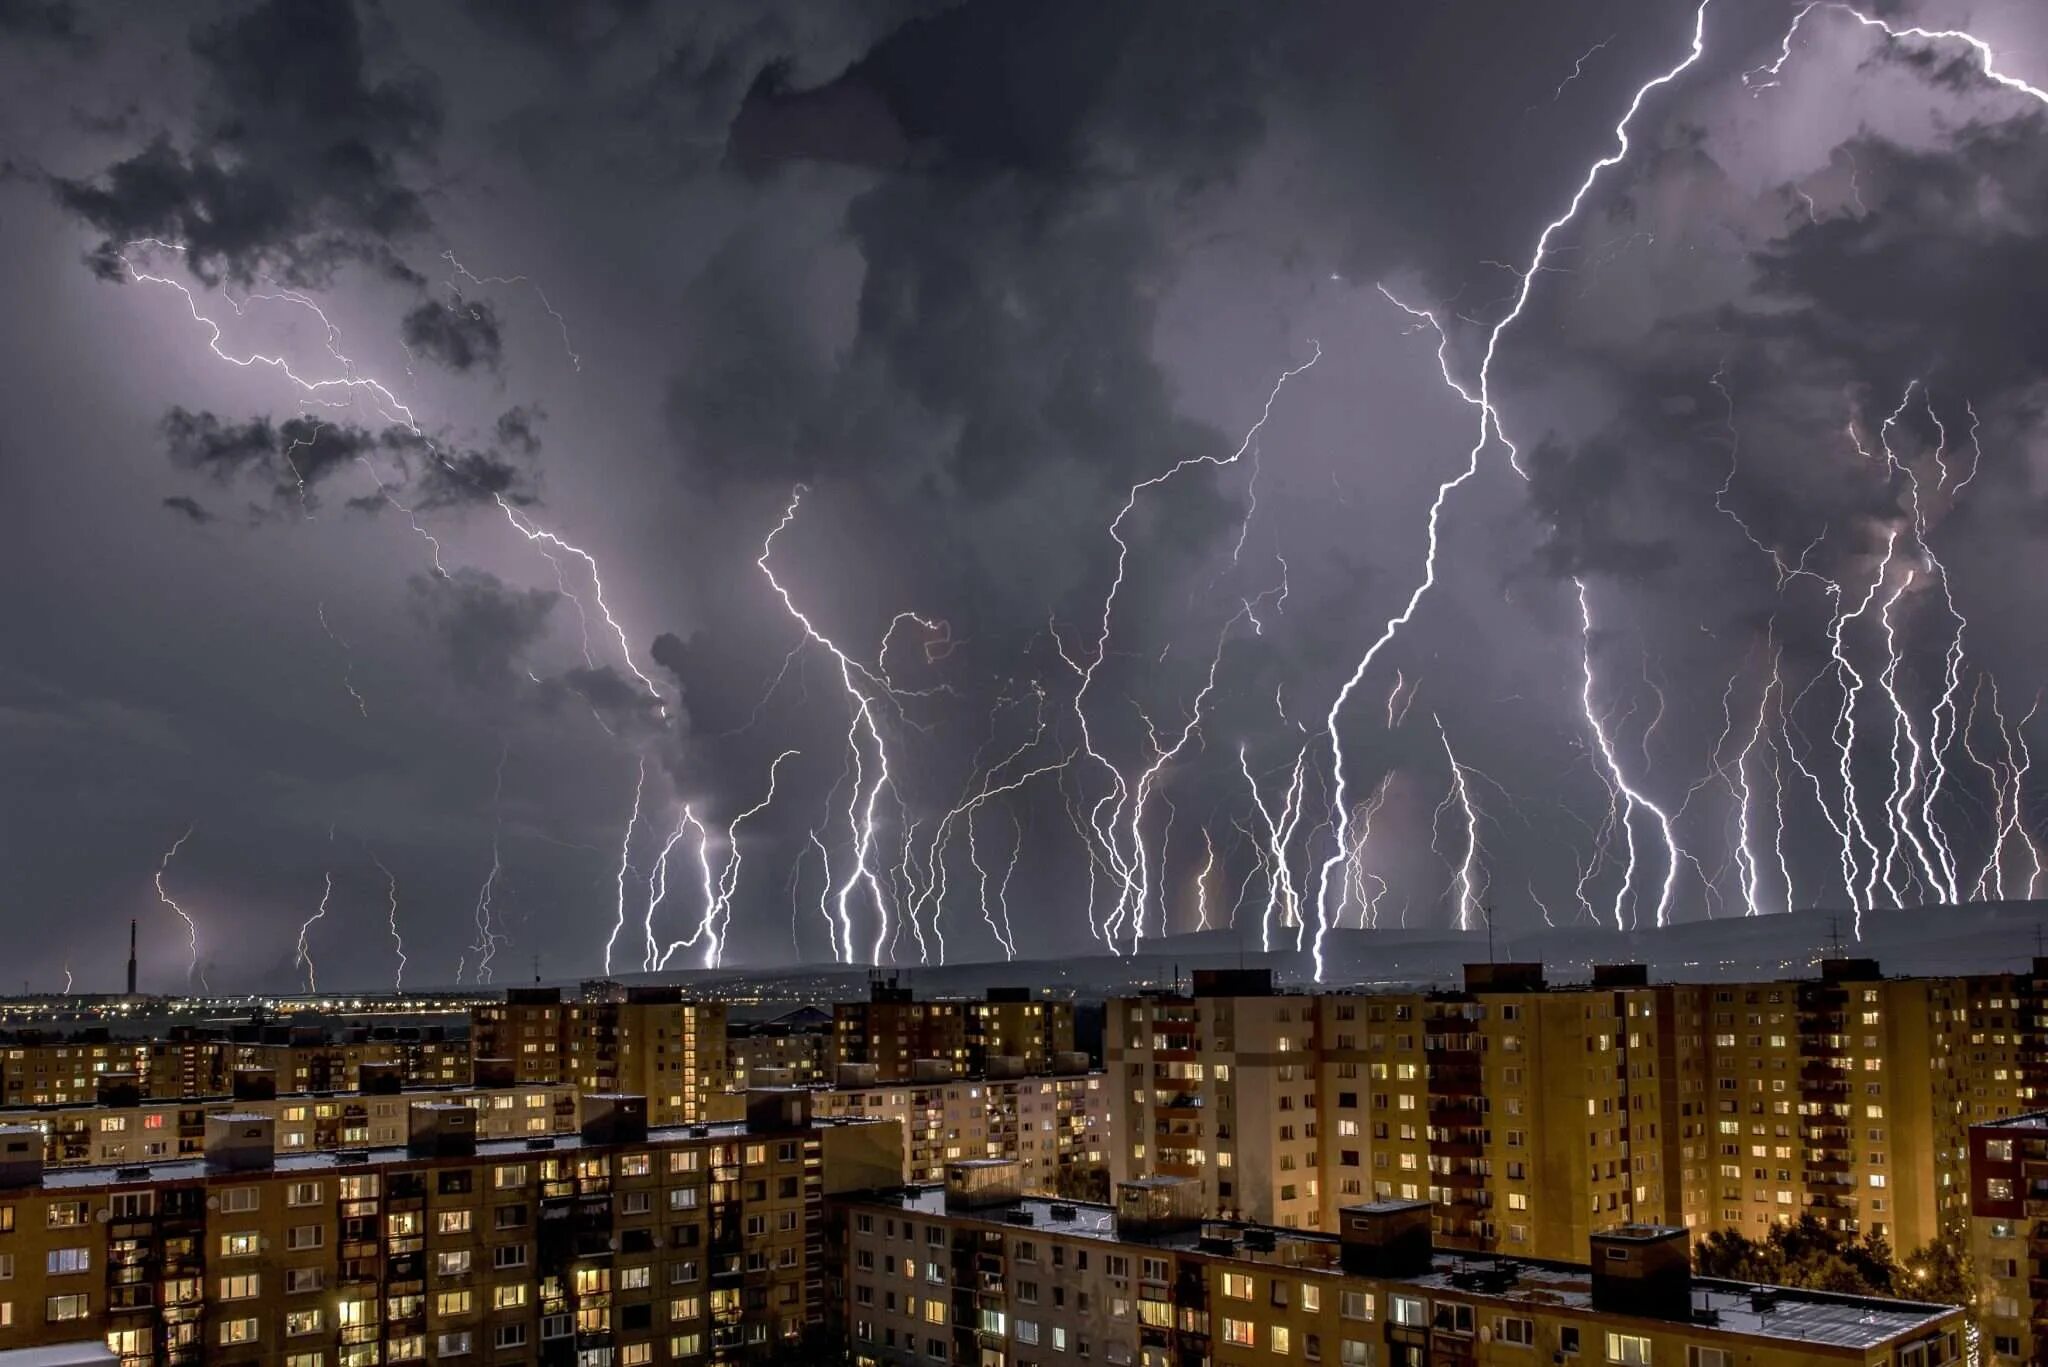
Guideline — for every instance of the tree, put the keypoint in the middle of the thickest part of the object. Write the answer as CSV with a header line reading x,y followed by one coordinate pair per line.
x,y
1940,1271
1806,1253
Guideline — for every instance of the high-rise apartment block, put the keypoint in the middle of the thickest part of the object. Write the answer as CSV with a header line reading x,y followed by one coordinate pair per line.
x,y
969,1273
618,1244
1010,1030
1056,1129
795,1047
650,1041
1531,1116
38,1069
2009,1235
123,1128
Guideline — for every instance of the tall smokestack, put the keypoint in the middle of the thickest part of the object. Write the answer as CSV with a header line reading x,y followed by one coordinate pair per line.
x,y
131,957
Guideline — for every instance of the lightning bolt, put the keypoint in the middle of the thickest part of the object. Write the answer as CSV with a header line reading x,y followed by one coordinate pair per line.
x,y
350,384
305,953
487,938
1986,58
191,926
860,813
348,666
1105,816
391,920
575,361
1489,422
625,862
719,883
1466,878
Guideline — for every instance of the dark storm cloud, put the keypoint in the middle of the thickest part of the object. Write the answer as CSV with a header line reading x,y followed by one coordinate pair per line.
x,y
623,704
484,627
297,160
1928,275
460,335
51,21
1942,278
517,428
565,29
296,456
460,477
188,508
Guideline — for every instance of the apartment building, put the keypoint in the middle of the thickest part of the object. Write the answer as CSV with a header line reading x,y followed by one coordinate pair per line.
x,y
126,1129
1055,1128
893,1032
2009,1235
1530,1115
649,1041
795,1047
971,1273
618,1245
41,1070
1219,1086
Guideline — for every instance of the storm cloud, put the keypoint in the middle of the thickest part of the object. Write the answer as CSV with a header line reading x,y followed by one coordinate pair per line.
x,y
925,412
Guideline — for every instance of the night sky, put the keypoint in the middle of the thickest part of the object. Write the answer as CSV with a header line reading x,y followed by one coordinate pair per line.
x,y
401,398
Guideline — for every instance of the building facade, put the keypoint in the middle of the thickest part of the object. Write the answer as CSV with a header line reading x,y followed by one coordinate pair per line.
x,y
1530,1116
41,1071
2009,1234
649,1041
145,1131
1055,1128
1012,1029
795,1048
969,1274
617,1245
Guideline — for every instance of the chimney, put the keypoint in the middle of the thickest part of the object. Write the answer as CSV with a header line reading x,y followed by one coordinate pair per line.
x,y
379,1077
492,1072
1643,1270
1233,982
612,1118
1158,1205
856,1075
770,1109
254,1084
441,1129
975,1182
1386,1238
1513,976
1621,975
239,1141
117,1089
21,1156
131,957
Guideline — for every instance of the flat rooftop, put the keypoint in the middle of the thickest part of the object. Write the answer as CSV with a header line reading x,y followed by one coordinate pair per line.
x,y
1814,1317
166,1103
195,1169
2031,1120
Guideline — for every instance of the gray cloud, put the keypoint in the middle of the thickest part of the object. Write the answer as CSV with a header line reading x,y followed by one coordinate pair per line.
x,y
294,165
460,335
